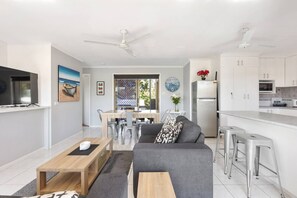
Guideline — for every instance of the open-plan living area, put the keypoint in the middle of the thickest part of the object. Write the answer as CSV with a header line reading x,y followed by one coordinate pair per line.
x,y
148,98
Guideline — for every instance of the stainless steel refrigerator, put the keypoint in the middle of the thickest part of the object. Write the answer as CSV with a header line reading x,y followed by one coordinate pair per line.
x,y
204,106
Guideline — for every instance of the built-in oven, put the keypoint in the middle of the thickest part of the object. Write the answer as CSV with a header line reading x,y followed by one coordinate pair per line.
x,y
266,86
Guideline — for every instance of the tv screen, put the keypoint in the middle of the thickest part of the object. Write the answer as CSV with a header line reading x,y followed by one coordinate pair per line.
x,y
18,87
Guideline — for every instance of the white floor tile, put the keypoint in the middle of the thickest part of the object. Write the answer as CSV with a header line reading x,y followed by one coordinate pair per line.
x,y
23,178
9,189
240,191
220,191
270,190
216,180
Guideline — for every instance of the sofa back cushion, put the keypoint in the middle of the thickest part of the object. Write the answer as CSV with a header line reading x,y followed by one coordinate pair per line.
x,y
190,131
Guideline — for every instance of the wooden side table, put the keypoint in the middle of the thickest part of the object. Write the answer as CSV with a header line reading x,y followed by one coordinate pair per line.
x,y
155,185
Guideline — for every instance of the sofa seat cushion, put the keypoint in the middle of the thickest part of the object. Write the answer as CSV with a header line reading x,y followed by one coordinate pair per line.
x,y
169,132
147,139
190,131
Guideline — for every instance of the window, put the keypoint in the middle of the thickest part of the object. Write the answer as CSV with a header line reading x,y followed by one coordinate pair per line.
x,y
140,91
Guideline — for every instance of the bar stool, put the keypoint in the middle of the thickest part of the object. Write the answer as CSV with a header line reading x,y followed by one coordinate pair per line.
x,y
253,143
228,132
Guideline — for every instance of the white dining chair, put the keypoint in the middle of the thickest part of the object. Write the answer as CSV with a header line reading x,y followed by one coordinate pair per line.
x,y
111,124
129,126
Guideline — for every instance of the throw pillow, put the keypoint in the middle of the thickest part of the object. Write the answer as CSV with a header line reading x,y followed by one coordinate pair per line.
x,y
169,132
60,194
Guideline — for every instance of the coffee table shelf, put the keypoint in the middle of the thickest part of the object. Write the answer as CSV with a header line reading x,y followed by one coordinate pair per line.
x,y
75,172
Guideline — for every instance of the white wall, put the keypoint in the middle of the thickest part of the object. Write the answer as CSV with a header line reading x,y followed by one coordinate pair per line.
x,y
187,89
36,59
66,117
106,74
3,53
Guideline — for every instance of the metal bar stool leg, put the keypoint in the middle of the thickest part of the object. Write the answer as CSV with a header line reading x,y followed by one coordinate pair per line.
x,y
227,139
233,157
250,156
257,160
277,171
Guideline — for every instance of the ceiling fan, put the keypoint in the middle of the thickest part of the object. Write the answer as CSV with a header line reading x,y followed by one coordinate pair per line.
x,y
247,35
124,44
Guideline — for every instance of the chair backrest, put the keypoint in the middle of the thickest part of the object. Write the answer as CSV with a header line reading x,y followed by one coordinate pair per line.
x,y
129,117
100,112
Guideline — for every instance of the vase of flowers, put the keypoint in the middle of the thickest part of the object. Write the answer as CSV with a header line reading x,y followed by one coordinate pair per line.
x,y
203,74
176,100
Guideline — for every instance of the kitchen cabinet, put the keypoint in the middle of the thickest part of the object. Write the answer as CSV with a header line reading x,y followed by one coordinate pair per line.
x,y
273,69
239,83
291,71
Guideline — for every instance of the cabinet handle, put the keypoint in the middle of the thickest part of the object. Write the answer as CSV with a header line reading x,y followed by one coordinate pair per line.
x,y
237,62
267,75
293,82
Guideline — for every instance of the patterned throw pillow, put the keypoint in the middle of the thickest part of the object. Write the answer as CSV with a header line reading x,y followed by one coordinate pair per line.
x,y
169,132
60,194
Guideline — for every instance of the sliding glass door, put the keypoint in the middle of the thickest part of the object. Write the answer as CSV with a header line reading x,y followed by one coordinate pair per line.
x,y
141,91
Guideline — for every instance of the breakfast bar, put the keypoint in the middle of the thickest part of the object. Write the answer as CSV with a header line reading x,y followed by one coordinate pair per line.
x,y
281,129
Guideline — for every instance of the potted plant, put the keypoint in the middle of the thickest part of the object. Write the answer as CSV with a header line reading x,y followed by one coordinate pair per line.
x,y
203,74
176,100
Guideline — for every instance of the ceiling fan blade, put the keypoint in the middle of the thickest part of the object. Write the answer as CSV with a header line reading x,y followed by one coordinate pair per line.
x,y
139,38
129,51
247,36
103,43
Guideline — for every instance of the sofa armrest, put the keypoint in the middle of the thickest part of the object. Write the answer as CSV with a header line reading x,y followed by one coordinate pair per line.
x,y
189,165
151,129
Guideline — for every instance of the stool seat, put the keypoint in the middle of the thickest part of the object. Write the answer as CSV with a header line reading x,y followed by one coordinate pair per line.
x,y
253,143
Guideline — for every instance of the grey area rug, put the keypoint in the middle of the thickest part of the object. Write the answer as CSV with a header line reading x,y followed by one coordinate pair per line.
x,y
119,162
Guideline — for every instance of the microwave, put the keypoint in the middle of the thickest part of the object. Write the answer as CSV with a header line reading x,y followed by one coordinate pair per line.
x,y
266,86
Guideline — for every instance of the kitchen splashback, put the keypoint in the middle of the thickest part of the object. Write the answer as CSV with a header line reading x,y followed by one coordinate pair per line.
x,y
281,92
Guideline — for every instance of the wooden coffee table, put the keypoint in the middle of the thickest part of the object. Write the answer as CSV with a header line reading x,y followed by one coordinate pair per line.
x,y
155,185
75,172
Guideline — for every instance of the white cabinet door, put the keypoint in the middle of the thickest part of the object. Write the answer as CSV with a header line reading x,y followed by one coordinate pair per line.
x,y
291,71
272,69
226,84
252,88
250,61
239,88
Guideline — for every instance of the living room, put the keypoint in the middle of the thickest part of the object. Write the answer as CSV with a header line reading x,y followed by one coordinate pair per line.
x,y
157,39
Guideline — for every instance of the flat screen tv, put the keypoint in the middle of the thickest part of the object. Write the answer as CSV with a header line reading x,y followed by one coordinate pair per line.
x,y
18,87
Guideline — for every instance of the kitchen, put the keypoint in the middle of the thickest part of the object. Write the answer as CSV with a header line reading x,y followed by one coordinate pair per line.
x,y
269,111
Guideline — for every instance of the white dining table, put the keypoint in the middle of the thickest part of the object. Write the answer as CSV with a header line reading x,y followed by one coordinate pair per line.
x,y
113,114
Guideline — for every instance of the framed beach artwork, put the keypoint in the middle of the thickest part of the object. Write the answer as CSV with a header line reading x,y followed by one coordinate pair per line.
x,y
100,88
69,84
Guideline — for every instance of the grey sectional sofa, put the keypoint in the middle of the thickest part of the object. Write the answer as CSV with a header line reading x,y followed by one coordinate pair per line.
x,y
188,161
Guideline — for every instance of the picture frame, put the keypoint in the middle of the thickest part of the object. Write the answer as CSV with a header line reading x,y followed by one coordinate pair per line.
x,y
100,88
68,84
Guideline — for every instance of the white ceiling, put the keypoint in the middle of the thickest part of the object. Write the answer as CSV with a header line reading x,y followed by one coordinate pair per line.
x,y
180,29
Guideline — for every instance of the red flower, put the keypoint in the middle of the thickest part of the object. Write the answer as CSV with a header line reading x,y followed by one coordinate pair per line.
x,y
203,73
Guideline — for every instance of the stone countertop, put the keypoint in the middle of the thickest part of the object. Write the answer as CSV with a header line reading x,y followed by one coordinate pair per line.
x,y
4,109
276,119
272,107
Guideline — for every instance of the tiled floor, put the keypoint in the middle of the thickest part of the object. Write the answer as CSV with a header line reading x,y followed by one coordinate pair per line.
x,y
15,175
